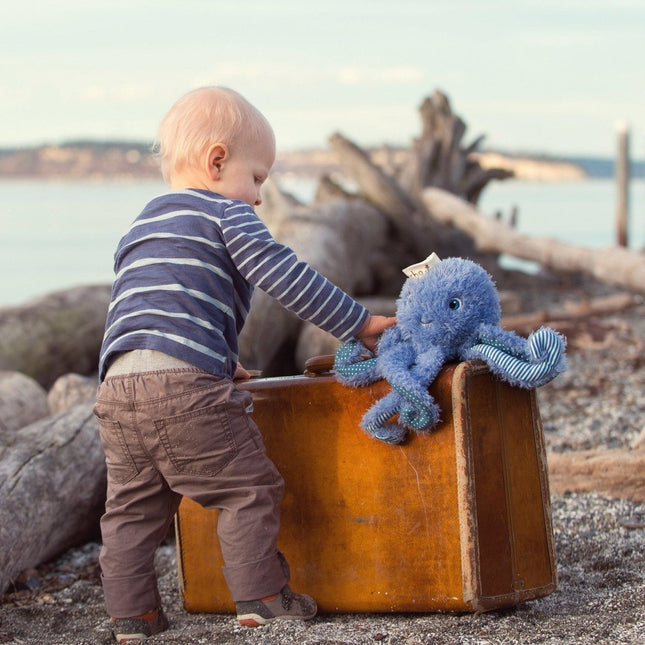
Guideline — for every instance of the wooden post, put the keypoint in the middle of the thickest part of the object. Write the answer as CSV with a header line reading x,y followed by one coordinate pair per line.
x,y
622,185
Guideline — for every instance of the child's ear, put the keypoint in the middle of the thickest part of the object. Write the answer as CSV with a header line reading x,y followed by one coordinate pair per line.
x,y
215,157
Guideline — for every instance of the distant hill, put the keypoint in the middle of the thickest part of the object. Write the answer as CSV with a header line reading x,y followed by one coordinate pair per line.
x,y
80,160
599,167
127,159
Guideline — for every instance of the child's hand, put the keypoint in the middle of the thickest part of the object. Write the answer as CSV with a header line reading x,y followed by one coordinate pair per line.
x,y
241,373
374,326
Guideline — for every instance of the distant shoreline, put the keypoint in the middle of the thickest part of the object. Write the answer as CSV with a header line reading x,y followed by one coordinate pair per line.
x,y
119,159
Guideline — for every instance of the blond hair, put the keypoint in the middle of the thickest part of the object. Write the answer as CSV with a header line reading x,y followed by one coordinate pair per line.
x,y
200,118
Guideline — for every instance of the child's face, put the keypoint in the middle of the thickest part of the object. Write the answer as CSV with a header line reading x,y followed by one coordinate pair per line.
x,y
245,169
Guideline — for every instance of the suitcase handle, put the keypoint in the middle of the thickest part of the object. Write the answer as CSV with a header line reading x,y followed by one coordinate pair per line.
x,y
318,365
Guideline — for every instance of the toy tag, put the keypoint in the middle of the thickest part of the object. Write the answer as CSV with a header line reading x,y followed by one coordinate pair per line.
x,y
420,268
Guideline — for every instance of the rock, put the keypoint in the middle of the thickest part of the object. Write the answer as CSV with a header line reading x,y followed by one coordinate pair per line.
x,y
56,334
70,390
639,442
22,401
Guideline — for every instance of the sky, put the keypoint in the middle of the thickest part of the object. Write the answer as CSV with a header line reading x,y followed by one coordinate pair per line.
x,y
537,76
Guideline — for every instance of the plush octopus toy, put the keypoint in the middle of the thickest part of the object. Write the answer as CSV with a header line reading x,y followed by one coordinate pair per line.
x,y
447,310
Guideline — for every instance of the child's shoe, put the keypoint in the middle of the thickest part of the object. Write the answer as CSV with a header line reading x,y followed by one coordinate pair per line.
x,y
138,628
284,605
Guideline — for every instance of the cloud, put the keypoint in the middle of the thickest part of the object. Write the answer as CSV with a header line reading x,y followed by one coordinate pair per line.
x,y
118,92
564,38
598,107
271,74
379,75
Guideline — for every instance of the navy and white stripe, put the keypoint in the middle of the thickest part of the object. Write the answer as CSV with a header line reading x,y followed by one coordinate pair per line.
x,y
185,272
543,362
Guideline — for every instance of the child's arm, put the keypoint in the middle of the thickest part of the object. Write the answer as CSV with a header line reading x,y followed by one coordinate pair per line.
x,y
373,327
276,269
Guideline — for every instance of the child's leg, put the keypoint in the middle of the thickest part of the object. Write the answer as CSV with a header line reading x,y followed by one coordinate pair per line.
x,y
137,518
247,490
139,505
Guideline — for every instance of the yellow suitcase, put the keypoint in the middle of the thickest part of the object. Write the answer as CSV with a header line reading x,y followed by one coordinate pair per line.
x,y
454,520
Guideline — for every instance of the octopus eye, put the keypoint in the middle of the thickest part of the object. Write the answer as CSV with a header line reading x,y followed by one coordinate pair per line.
x,y
455,303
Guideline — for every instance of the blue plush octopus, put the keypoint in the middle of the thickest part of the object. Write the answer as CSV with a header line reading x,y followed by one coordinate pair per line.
x,y
448,311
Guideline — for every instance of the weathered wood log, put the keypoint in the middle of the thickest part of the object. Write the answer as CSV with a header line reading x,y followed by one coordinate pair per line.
x,y
380,189
329,189
276,205
611,265
601,306
52,490
409,230
440,159
412,232
22,401
56,334
612,473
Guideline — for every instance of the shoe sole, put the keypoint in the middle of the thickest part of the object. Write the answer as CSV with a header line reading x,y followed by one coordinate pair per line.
x,y
129,638
123,638
255,620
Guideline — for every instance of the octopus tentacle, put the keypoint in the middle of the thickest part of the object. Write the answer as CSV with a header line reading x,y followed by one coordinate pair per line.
x,y
376,421
416,415
542,361
350,364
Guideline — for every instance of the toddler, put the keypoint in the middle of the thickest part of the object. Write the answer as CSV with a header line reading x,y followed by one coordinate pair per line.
x,y
171,420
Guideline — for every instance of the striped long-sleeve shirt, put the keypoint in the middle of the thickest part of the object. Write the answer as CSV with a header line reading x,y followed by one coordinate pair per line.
x,y
185,272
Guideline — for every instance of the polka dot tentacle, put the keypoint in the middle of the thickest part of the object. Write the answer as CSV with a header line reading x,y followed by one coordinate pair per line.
x,y
416,418
346,364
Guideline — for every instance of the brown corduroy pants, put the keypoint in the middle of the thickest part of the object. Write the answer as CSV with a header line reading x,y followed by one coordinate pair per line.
x,y
183,432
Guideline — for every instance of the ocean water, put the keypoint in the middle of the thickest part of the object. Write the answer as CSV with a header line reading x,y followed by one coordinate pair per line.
x,y
576,212
59,234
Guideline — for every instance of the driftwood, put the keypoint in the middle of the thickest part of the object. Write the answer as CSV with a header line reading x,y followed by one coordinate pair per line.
x,y
439,157
52,490
381,190
54,335
601,306
411,233
611,473
613,265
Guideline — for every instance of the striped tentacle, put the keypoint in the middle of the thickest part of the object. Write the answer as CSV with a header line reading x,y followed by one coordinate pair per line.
x,y
543,361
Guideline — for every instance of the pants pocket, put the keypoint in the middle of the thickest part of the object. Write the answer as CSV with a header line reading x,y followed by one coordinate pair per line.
x,y
120,464
200,442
